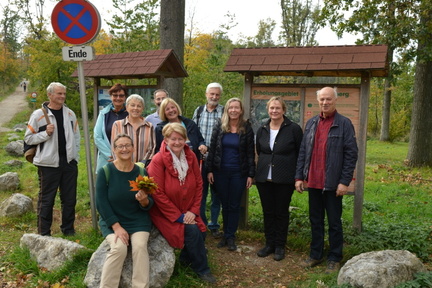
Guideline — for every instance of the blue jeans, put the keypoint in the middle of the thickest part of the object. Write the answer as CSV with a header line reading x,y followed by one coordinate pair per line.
x,y
229,186
215,205
194,252
321,202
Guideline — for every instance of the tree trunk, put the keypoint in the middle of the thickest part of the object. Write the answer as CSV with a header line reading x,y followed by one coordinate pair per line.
x,y
172,23
385,120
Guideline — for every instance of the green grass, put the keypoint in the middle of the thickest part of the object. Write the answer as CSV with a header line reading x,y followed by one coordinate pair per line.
x,y
396,215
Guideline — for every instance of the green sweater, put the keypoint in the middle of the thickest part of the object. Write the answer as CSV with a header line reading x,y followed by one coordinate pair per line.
x,y
116,203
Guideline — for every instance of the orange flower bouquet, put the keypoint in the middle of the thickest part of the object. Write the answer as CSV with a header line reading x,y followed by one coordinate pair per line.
x,y
144,183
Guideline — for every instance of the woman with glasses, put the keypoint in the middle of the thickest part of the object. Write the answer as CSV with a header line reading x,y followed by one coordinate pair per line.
x,y
124,216
178,199
114,111
141,131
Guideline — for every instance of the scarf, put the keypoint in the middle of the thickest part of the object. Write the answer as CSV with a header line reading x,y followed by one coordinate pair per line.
x,y
180,165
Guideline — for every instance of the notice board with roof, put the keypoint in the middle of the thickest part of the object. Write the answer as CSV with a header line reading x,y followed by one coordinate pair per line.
x,y
151,64
362,61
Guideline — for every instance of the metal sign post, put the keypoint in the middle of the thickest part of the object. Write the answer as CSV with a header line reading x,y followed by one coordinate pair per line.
x,y
78,22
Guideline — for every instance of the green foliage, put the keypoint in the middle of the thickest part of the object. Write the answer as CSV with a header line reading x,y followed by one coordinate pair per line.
x,y
299,23
205,59
134,28
421,280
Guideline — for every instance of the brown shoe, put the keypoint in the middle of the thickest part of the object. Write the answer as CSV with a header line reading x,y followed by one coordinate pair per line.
x,y
332,266
310,262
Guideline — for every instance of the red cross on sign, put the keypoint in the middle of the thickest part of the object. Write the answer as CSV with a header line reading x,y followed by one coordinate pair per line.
x,y
75,21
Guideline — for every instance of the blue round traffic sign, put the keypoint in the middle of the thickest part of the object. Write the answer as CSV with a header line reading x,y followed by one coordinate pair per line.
x,y
75,21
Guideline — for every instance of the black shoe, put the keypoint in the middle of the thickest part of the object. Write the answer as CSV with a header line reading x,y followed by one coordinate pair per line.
x,y
209,278
231,244
222,243
279,253
266,251
216,233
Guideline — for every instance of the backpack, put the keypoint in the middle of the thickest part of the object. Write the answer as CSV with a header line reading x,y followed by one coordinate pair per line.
x,y
200,110
30,150
139,164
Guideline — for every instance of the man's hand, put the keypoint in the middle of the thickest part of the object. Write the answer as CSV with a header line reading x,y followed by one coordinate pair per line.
x,y
299,185
50,129
341,190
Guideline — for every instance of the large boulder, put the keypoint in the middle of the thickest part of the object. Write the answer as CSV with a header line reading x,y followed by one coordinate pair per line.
x,y
9,181
382,269
16,205
50,252
162,261
15,148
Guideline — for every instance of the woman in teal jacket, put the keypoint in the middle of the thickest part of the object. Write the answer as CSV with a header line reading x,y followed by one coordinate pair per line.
x,y
114,111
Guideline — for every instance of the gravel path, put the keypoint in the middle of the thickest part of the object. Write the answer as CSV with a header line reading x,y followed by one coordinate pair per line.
x,y
11,105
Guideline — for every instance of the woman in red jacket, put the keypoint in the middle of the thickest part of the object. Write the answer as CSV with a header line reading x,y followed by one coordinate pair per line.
x,y
178,198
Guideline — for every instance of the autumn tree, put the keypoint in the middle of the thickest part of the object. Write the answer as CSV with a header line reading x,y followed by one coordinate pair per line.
x,y
134,26
299,22
395,23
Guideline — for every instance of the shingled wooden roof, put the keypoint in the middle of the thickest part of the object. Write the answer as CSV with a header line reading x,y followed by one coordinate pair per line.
x,y
333,61
135,65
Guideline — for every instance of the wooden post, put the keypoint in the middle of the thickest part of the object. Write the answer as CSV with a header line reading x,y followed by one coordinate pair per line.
x,y
244,205
361,142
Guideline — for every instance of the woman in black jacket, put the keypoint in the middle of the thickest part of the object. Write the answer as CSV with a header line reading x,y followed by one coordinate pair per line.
x,y
277,144
231,165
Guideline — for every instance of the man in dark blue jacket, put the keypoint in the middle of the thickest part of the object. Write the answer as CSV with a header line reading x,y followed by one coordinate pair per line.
x,y
326,162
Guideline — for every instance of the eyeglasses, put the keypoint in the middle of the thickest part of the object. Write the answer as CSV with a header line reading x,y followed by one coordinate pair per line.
x,y
121,147
118,95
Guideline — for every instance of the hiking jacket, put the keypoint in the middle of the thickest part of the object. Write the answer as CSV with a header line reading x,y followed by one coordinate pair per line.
x,y
341,152
47,146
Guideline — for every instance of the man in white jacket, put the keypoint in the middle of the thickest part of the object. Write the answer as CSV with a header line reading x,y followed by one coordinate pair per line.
x,y
56,159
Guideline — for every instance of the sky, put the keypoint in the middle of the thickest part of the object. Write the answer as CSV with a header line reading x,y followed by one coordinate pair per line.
x,y
208,15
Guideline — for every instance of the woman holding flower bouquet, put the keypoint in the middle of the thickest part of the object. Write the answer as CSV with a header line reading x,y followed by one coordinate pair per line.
x,y
178,198
124,214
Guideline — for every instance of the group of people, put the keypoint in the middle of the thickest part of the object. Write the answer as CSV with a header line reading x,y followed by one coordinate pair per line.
x,y
216,150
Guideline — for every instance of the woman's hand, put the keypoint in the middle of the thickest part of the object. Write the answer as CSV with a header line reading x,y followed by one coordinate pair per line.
x,y
189,218
249,182
142,197
120,233
210,178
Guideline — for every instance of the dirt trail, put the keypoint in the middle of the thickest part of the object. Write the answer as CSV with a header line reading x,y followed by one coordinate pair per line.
x,y
11,105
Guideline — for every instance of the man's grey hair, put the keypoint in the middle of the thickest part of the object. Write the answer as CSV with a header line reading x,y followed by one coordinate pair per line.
x,y
214,85
53,85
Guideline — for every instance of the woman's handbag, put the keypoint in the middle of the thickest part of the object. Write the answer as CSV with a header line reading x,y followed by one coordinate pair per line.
x,y
30,150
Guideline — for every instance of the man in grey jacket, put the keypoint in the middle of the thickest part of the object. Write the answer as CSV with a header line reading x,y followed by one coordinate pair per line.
x,y
326,161
56,158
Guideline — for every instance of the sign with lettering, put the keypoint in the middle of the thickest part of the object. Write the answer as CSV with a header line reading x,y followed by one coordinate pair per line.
x,y
76,22
78,53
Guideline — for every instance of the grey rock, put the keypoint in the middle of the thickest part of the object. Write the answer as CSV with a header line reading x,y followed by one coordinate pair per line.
x,y
15,148
383,269
14,163
19,127
14,137
50,252
16,205
9,181
162,261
